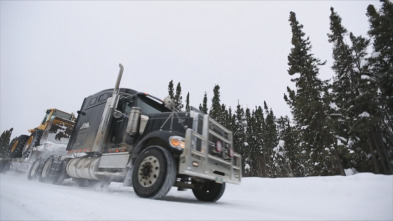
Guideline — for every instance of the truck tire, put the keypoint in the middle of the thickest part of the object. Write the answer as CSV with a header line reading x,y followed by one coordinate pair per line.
x,y
61,174
32,141
46,175
53,171
16,146
154,173
34,170
208,191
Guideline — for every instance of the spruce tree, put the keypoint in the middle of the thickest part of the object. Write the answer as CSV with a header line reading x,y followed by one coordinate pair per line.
x,y
285,153
270,137
203,106
262,153
306,102
216,111
5,139
381,65
381,31
188,108
252,158
170,90
344,92
240,138
178,99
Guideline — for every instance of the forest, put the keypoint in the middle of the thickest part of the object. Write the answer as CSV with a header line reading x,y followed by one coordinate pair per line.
x,y
342,123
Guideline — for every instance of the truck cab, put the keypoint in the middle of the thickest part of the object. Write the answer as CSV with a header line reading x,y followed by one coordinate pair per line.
x,y
122,135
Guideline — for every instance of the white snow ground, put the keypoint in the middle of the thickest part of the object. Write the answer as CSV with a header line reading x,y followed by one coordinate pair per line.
x,y
363,196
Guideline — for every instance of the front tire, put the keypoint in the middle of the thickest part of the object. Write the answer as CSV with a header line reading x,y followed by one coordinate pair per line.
x,y
32,141
208,191
154,173
16,146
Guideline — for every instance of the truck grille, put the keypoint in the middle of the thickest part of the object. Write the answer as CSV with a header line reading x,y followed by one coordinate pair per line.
x,y
209,151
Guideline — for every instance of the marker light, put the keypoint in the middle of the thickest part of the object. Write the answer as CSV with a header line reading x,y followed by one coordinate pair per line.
x,y
231,152
219,146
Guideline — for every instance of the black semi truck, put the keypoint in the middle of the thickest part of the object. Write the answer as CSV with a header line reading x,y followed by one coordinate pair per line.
x,y
121,135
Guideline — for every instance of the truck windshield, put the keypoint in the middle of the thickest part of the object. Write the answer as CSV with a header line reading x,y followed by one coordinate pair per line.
x,y
150,105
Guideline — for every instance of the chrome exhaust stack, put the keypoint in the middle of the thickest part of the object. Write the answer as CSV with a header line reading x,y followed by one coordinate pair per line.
x,y
111,104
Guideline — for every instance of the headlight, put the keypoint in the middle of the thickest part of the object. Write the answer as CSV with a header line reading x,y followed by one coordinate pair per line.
x,y
177,142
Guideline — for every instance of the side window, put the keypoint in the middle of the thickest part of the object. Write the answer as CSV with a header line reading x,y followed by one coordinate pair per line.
x,y
125,107
93,101
46,117
103,97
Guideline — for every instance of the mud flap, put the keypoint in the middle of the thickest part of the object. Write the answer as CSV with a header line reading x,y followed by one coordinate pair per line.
x,y
128,179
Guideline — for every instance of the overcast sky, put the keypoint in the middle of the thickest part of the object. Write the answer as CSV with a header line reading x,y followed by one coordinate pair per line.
x,y
56,53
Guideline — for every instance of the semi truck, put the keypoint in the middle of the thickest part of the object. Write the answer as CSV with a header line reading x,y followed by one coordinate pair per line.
x,y
49,138
122,135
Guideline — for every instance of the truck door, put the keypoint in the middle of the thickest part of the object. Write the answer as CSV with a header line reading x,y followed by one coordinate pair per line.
x,y
88,121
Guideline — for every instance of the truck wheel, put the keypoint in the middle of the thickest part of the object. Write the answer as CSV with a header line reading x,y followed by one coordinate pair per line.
x,y
53,171
154,173
16,146
208,191
34,170
45,176
32,141
61,174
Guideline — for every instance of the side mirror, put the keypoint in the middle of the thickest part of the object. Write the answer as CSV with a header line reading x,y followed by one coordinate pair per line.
x,y
117,114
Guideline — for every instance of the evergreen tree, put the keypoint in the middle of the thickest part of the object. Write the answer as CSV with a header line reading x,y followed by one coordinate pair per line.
x,y
178,99
188,108
170,90
251,150
203,106
306,102
239,137
270,137
381,30
344,93
285,153
5,139
381,65
262,155
216,111
358,114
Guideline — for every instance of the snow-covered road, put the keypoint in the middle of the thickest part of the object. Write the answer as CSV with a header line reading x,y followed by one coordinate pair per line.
x,y
362,196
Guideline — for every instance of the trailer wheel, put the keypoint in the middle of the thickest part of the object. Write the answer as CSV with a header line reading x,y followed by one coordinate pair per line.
x,y
34,170
154,173
45,175
208,191
32,141
16,146
53,171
